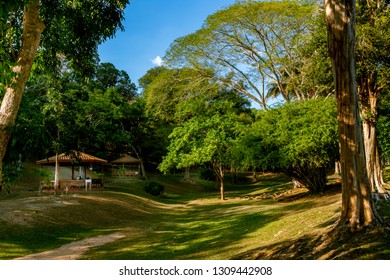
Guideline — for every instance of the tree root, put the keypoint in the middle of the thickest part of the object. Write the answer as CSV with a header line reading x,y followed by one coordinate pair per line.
x,y
335,244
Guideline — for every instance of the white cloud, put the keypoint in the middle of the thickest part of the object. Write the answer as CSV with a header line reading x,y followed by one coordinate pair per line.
x,y
157,61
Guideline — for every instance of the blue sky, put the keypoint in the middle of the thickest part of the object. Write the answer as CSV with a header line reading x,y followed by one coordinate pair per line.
x,y
150,27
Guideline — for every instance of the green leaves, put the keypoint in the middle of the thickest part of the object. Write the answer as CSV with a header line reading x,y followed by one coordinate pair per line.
x,y
303,132
200,140
208,133
248,45
372,43
299,138
75,29
69,113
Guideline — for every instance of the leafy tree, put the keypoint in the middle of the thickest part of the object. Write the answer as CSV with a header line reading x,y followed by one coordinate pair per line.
x,y
298,139
136,133
150,75
357,209
313,76
248,45
88,116
107,76
174,96
169,94
207,137
373,68
159,97
54,27
65,112
201,113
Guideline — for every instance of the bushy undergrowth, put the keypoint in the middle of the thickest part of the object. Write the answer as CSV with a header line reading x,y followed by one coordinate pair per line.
x,y
154,188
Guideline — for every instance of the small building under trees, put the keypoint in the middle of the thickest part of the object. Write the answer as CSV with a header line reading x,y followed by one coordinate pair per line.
x,y
126,166
89,172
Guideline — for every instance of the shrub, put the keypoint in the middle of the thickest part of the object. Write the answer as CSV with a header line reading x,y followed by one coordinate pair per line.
x,y
154,188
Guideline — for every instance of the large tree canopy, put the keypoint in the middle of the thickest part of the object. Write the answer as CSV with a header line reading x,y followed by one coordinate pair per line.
x,y
249,45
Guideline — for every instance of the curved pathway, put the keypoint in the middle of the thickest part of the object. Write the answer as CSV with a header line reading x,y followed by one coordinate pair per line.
x,y
74,250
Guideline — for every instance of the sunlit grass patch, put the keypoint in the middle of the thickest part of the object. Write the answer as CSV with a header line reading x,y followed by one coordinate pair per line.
x,y
211,229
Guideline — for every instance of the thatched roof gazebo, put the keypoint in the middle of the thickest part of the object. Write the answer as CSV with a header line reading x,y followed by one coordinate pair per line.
x,y
74,159
126,166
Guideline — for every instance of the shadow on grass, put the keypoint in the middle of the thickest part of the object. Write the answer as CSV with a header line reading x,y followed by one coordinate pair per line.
x,y
79,216
370,244
18,240
197,232
367,244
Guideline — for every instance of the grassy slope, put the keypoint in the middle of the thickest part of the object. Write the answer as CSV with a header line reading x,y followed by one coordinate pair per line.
x,y
257,221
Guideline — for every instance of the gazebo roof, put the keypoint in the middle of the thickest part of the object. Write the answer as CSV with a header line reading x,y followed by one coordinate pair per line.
x,y
126,159
76,158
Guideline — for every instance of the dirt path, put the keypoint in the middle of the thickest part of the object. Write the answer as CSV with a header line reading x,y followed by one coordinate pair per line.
x,y
74,250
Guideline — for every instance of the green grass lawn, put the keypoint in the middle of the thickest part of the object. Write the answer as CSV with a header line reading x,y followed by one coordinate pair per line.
x,y
261,220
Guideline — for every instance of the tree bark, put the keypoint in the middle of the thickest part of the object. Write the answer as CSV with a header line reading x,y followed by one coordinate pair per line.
x,y
368,98
357,209
221,177
141,162
337,168
374,166
187,175
143,171
32,30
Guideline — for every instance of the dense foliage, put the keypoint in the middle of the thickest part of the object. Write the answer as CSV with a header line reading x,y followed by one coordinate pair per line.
x,y
63,113
298,139
73,29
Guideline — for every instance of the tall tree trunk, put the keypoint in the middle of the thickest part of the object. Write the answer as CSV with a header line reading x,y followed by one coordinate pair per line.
x,y
32,30
141,162
143,171
221,177
337,168
374,166
187,175
57,176
357,208
368,103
